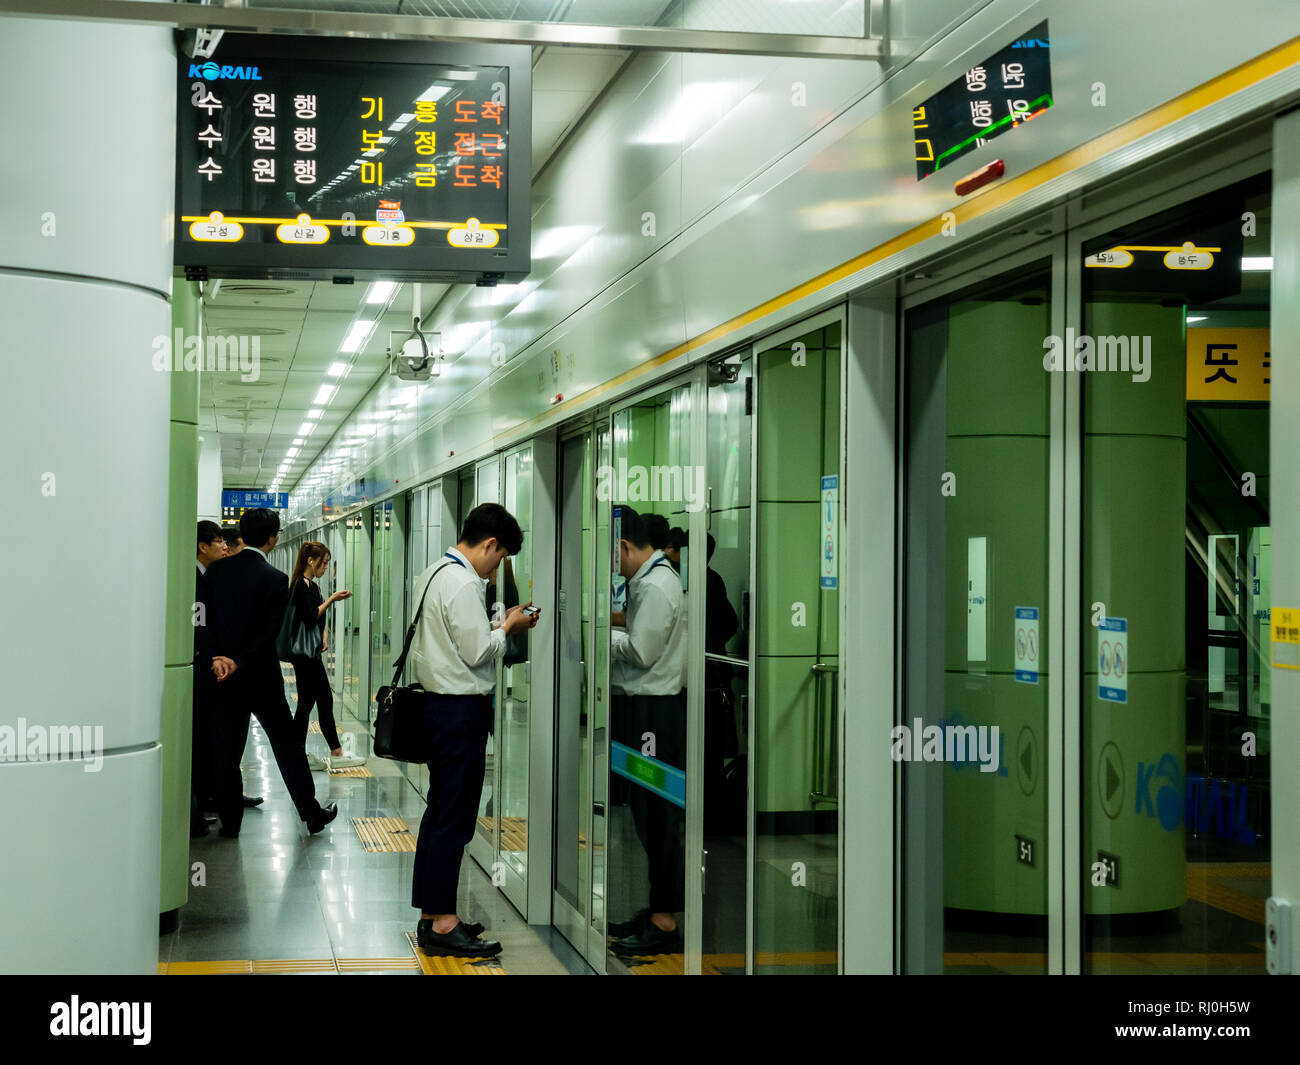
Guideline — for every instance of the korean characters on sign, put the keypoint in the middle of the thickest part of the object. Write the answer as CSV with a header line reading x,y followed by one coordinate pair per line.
x,y
980,103
1229,364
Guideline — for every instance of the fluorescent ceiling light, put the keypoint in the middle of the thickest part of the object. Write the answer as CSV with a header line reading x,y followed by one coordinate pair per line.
x,y
305,429
356,336
402,122
461,75
315,412
1196,317
559,242
337,369
291,453
380,291
1257,262
433,92
298,441
325,393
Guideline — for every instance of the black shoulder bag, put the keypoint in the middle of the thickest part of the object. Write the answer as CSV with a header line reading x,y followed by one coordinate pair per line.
x,y
399,723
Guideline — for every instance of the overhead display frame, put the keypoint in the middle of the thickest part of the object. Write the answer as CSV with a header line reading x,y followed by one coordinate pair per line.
x,y
1011,87
320,158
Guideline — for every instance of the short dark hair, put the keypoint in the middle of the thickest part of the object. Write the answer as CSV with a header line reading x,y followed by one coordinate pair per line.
x,y
677,537
656,530
492,520
258,525
713,546
231,533
632,526
209,531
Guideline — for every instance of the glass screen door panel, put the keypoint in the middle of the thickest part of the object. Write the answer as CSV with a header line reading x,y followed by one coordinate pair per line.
x,y
1177,843
513,585
382,653
974,729
725,638
599,612
486,482
795,654
651,476
357,560
573,747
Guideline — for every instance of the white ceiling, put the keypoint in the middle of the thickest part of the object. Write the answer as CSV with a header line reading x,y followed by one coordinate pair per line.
x,y
300,325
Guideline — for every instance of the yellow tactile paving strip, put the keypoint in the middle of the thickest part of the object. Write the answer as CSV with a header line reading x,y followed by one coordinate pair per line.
x,y
383,834
288,965
1205,885
514,832
445,965
352,771
313,728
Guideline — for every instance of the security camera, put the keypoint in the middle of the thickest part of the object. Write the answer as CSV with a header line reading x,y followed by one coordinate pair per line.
x,y
414,356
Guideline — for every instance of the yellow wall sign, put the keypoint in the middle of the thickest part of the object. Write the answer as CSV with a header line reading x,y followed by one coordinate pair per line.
x,y
1228,364
1284,623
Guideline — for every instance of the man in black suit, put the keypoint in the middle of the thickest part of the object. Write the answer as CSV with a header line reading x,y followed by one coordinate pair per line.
x,y
211,547
245,599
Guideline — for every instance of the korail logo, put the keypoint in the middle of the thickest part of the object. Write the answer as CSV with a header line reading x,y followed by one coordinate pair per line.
x,y
1098,354
653,484
216,72
180,352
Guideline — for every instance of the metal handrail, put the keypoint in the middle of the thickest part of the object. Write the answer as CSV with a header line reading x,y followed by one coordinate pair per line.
x,y
825,772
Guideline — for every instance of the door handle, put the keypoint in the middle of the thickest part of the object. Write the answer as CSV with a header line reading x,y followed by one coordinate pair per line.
x,y
825,753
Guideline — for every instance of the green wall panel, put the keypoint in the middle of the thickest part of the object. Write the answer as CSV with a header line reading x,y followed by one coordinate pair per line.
x,y
996,382
181,543
783,762
1147,832
1115,403
1002,496
789,569
1133,546
984,812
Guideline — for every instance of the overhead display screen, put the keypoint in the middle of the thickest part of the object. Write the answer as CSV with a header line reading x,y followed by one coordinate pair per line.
x,y
1007,90
305,157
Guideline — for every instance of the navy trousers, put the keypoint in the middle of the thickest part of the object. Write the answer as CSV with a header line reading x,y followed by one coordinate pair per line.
x,y
456,728
660,823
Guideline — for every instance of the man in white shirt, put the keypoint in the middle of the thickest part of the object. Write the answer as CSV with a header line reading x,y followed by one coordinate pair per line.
x,y
454,655
647,660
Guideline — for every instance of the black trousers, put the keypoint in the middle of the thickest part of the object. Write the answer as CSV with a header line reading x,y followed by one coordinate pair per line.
x,y
456,728
201,746
661,824
314,690
264,698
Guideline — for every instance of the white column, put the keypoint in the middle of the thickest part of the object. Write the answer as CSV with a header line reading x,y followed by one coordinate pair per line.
x,y
85,265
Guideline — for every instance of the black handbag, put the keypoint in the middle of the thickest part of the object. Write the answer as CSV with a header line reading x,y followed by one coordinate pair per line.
x,y
399,722
296,640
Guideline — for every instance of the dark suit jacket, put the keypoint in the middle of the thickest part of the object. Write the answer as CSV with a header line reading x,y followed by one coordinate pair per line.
x,y
245,599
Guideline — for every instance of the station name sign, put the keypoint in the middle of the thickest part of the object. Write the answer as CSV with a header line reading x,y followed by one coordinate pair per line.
x,y
319,158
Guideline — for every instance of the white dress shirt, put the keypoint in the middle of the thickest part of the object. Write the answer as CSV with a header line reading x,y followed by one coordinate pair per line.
x,y
455,647
649,657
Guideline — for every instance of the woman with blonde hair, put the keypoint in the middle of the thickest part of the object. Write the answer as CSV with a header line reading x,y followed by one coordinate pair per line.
x,y
313,684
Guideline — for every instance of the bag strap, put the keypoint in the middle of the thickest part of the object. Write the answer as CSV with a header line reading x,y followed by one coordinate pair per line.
x,y
400,664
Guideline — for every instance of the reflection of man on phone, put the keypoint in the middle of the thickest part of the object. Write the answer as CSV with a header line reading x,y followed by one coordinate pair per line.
x,y
646,663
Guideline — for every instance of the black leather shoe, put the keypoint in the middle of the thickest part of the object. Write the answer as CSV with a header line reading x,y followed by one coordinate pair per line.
x,y
457,943
198,829
622,929
253,800
327,814
228,833
210,819
650,940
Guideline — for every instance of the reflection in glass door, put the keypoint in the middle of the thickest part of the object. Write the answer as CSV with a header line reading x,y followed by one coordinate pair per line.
x,y
1175,698
650,487
571,889
795,723
510,586
975,710
725,637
